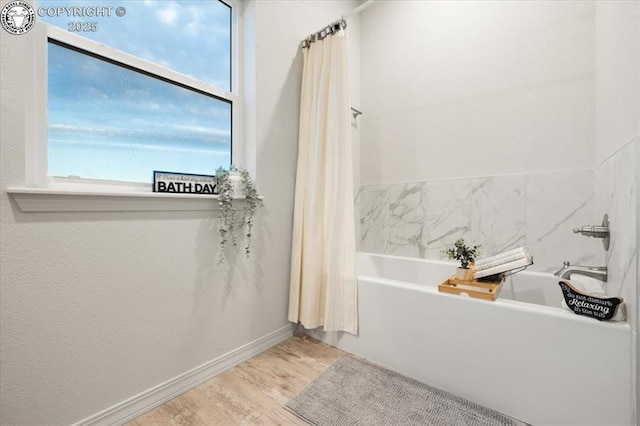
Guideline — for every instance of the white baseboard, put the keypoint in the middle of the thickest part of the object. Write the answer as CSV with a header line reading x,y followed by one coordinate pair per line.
x,y
133,407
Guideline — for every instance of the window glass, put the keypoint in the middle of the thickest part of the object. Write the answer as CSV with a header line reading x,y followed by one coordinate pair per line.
x,y
106,121
192,37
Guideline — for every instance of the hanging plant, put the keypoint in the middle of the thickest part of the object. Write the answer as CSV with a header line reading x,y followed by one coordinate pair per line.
x,y
234,183
252,203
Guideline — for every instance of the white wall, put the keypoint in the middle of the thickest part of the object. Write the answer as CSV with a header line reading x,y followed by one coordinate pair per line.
x,y
617,76
636,335
467,89
479,124
96,308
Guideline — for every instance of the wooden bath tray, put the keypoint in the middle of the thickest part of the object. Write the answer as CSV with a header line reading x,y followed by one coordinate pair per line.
x,y
487,290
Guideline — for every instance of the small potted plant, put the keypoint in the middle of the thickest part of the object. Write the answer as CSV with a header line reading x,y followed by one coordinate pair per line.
x,y
234,183
466,256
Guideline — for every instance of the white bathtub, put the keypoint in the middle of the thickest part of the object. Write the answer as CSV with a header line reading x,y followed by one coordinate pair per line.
x,y
540,364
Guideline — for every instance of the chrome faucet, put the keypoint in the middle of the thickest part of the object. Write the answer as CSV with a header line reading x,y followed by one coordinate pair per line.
x,y
597,272
597,231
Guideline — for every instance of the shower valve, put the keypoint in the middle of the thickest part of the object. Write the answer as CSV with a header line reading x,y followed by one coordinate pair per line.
x,y
596,231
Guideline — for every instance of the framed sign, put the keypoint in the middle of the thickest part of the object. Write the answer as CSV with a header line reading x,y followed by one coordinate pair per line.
x,y
184,183
602,309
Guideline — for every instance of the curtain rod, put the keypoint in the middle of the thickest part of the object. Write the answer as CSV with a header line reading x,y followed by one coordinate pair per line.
x,y
330,29
335,26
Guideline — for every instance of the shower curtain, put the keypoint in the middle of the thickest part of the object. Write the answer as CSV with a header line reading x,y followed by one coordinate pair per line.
x,y
323,278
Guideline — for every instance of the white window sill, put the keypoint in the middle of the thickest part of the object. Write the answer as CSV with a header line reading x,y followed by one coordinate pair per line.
x,y
31,200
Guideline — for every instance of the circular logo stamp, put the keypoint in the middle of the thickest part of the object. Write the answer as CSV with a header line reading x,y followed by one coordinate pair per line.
x,y
17,17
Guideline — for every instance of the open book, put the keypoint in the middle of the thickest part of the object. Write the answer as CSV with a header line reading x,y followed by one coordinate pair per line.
x,y
503,262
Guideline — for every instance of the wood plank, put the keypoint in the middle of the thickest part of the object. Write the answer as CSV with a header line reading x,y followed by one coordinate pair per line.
x,y
251,393
486,290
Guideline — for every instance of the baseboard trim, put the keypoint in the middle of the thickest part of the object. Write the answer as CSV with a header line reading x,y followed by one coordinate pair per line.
x,y
133,407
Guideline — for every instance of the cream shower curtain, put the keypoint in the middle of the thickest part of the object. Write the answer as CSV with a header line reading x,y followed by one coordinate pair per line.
x,y
323,278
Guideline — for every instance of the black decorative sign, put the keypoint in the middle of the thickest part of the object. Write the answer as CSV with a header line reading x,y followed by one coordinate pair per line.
x,y
184,183
590,306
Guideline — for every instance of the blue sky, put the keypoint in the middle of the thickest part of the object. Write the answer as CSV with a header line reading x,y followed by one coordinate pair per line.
x,y
108,122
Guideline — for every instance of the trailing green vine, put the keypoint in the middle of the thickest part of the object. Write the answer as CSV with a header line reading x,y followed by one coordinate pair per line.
x,y
252,203
229,221
226,225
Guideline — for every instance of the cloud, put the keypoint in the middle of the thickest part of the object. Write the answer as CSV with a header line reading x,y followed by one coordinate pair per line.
x,y
72,128
143,147
202,130
168,130
169,15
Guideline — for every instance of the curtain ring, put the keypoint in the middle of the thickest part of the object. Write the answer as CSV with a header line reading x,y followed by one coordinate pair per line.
x,y
343,24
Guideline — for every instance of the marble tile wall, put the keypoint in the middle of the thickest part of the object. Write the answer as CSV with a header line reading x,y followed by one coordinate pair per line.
x,y
537,211
615,194
616,185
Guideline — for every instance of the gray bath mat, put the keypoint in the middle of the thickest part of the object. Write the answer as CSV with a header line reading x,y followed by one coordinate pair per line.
x,y
355,392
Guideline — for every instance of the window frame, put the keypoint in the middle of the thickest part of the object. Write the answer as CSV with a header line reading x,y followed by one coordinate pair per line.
x,y
36,73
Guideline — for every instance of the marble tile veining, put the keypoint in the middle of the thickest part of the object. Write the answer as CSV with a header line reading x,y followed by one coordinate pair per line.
x,y
374,212
498,213
448,214
615,193
407,209
557,202
537,211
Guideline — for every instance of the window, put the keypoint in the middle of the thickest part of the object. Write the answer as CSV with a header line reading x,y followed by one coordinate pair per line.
x,y
133,87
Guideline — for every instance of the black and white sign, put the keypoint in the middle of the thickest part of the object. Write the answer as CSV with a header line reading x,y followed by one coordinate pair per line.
x,y
184,183
591,306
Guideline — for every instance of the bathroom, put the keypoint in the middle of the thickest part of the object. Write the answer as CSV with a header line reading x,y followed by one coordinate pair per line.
x,y
508,124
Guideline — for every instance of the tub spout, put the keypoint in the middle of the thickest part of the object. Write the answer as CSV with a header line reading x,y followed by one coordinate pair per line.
x,y
597,272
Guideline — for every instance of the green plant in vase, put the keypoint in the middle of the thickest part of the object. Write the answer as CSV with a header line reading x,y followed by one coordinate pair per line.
x,y
466,255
